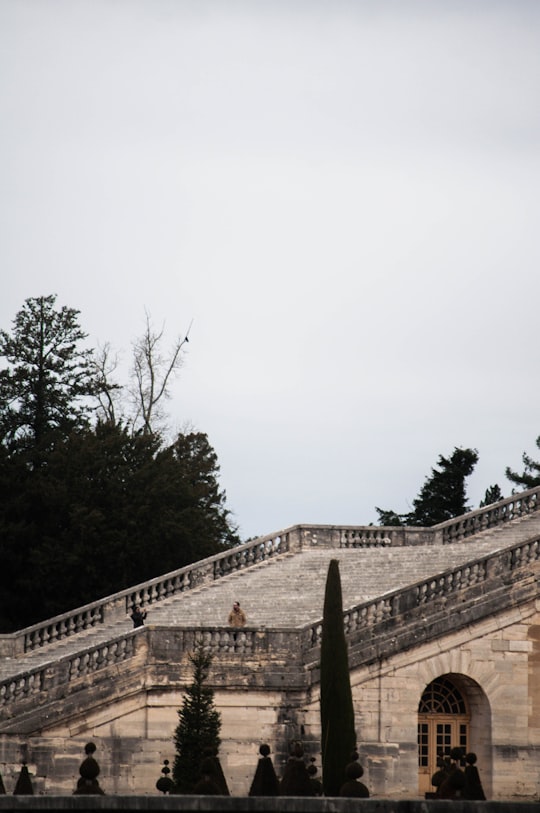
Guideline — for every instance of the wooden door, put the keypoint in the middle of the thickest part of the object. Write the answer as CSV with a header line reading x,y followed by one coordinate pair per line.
x,y
443,723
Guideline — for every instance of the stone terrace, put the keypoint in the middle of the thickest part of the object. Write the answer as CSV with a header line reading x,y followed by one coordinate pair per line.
x,y
287,590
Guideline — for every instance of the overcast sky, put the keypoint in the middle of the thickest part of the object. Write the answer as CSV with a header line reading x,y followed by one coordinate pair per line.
x,y
341,198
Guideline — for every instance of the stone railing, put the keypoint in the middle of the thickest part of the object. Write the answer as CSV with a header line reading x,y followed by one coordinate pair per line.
x,y
288,645
116,607
201,573
364,617
46,678
491,516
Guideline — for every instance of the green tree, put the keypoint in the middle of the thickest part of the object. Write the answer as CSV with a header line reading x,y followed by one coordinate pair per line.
x,y
443,495
199,724
205,520
530,477
390,517
17,534
492,494
110,509
49,377
338,736
91,506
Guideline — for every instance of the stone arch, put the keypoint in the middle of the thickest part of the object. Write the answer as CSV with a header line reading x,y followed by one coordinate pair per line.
x,y
464,707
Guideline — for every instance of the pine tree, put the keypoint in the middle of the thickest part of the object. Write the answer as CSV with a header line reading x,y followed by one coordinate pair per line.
x,y
337,711
493,494
49,377
199,725
443,495
530,477
90,504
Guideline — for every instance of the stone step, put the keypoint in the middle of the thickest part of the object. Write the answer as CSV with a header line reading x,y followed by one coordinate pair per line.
x,y
289,591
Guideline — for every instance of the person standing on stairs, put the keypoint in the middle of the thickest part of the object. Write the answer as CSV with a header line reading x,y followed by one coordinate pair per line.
x,y
237,617
138,617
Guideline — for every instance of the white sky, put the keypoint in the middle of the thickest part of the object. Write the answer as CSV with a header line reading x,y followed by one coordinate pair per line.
x,y
342,196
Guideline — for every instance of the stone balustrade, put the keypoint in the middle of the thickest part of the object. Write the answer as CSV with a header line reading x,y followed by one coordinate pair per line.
x,y
101,656
491,516
361,621
428,592
119,605
62,626
44,679
258,550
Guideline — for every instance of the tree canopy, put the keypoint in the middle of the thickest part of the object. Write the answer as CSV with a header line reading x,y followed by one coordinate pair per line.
x,y
92,503
530,476
443,495
49,378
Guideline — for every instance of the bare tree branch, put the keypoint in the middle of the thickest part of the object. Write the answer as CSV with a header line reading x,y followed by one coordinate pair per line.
x,y
152,374
105,365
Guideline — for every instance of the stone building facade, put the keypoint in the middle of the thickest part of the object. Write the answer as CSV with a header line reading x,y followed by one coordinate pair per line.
x,y
452,659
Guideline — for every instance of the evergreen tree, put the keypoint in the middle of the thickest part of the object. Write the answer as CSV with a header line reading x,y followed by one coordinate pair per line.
x,y
45,387
109,510
206,523
442,496
530,477
90,507
493,494
197,732
390,517
336,705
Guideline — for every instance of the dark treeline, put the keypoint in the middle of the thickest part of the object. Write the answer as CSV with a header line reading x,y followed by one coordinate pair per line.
x,y
94,498
95,494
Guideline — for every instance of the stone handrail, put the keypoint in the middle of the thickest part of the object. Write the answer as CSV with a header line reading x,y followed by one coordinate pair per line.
x,y
490,516
427,592
257,550
67,669
120,604
360,624
200,573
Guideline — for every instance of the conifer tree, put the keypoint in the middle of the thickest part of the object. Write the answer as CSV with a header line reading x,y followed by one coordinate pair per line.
x,y
492,495
443,495
199,724
530,477
337,711
92,502
48,377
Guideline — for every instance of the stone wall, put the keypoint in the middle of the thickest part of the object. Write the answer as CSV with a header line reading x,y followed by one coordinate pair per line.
x,y
223,804
495,663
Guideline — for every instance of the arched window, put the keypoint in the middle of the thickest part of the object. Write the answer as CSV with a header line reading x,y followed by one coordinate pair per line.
x,y
442,697
443,723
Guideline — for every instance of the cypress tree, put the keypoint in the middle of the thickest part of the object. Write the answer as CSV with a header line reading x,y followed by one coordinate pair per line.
x,y
337,712
199,725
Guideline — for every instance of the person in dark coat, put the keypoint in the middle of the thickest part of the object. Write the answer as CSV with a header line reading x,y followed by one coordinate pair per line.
x,y
265,781
138,616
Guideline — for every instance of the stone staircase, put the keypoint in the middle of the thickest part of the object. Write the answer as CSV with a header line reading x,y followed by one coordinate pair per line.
x,y
287,591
